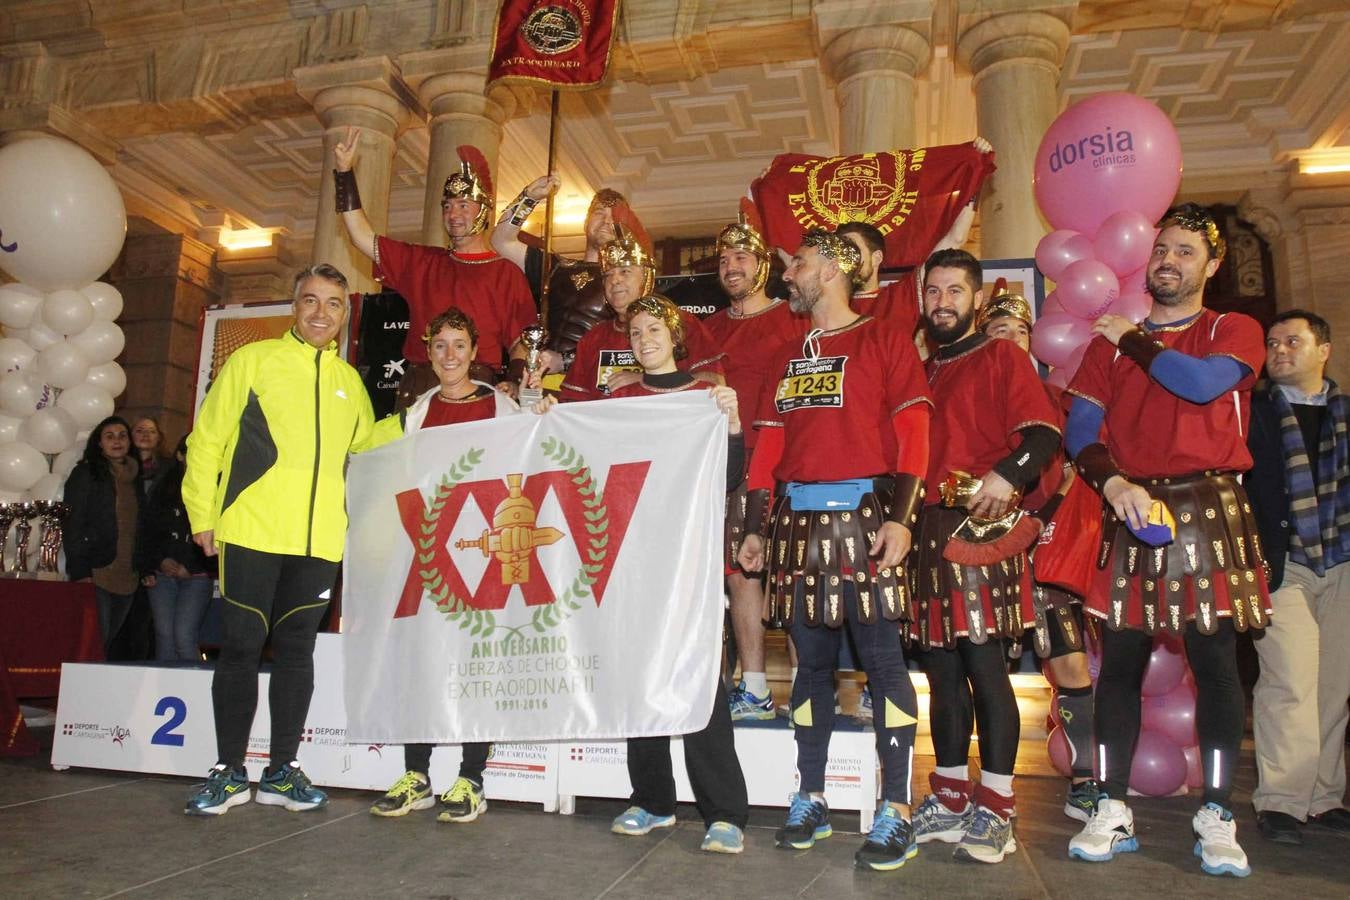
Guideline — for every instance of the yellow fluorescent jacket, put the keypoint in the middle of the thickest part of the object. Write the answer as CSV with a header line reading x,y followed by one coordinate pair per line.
x,y
267,456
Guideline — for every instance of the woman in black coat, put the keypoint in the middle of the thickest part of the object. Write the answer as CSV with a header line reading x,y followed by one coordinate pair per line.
x,y
100,535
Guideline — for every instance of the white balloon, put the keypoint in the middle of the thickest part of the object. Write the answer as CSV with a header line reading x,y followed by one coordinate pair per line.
x,y
67,312
9,428
18,303
62,365
105,299
39,336
108,376
20,466
65,460
49,487
15,354
89,405
50,430
20,394
62,220
101,342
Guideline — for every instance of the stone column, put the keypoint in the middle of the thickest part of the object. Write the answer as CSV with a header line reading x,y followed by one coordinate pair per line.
x,y
166,280
874,67
370,95
1016,60
453,92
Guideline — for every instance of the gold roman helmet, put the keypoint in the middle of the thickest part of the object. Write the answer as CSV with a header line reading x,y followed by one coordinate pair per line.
x,y
844,252
473,182
1004,304
1194,217
746,234
631,247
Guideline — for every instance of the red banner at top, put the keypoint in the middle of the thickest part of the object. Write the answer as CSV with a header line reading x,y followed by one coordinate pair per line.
x,y
561,43
912,196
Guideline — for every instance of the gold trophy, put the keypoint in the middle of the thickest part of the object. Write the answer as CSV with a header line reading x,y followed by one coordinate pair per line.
x,y
533,337
49,544
28,511
8,512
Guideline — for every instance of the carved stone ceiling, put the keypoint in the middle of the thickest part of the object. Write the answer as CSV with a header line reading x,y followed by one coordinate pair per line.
x,y
1246,103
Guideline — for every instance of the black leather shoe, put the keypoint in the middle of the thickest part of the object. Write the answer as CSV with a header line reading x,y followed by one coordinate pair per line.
x,y
1279,827
1333,819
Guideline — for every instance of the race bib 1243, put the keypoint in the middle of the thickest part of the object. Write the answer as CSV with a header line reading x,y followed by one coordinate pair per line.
x,y
811,382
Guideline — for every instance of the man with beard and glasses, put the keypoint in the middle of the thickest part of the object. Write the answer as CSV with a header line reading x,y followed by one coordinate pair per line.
x,y
575,289
1180,550
751,332
994,429
487,288
843,445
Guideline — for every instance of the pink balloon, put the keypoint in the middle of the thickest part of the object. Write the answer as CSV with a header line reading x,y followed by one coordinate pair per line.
x,y
1172,715
1060,248
1165,670
1108,153
1061,752
1059,377
1124,241
1159,766
1195,771
1056,336
1133,282
1051,305
1134,307
1087,289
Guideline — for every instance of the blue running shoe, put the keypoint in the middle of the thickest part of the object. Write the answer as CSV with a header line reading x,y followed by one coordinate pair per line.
x,y
889,844
933,821
1108,832
223,789
989,839
637,821
808,821
291,788
1216,842
723,837
746,706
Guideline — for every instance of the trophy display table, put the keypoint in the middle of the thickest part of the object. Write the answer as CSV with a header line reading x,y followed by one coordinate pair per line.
x,y
42,625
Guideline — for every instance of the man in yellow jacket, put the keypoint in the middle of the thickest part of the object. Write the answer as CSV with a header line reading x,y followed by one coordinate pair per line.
x,y
264,489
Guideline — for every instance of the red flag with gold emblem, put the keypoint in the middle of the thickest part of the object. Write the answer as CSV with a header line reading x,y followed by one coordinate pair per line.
x,y
912,196
560,43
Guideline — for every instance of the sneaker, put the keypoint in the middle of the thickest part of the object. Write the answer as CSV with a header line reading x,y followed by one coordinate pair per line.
x,y
746,706
412,791
1216,842
889,844
224,788
290,787
933,821
808,821
1081,801
723,837
1108,832
1279,827
464,802
989,838
637,821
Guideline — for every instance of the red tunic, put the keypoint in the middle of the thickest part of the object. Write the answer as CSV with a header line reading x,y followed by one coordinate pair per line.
x,y
753,345
476,407
489,289
837,408
605,350
897,302
1152,432
981,398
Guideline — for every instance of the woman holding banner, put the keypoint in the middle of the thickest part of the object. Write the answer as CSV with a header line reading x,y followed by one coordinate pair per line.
x,y
656,335
452,342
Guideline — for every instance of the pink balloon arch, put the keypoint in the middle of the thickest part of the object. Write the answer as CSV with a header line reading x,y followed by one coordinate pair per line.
x,y
1167,756
1106,171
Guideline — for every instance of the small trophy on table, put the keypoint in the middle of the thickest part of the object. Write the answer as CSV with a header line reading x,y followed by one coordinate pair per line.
x,y
8,512
533,337
49,544
28,511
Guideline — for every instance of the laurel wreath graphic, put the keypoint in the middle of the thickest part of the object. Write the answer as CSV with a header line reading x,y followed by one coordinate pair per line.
x,y
481,623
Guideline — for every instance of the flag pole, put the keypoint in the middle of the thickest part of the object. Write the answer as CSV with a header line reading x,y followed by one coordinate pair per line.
x,y
548,211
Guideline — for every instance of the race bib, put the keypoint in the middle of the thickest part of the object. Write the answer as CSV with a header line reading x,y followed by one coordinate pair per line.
x,y
613,362
811,382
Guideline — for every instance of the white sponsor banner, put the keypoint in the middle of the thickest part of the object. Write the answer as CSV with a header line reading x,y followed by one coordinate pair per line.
x,y
538,577
159,719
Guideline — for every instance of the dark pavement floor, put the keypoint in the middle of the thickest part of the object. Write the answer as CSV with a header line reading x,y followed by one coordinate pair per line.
x,y
84,833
